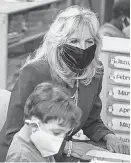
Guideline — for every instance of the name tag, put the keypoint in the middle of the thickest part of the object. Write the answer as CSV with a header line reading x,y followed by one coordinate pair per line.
x,y
120,109
120,93
124,137
120,62
119,124
122,77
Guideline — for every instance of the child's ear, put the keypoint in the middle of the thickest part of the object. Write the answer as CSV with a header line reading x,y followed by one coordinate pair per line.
x,y
33,123
34,127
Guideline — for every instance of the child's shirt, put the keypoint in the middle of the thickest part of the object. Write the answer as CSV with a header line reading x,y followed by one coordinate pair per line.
x,y
25,151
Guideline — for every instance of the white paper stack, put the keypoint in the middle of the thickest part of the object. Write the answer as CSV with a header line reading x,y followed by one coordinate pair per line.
x,y
108,156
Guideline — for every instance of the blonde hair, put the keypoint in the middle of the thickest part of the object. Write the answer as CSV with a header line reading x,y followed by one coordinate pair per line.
x,y
58,34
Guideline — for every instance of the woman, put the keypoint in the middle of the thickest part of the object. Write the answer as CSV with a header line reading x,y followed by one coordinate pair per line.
x,y
50,114
69,56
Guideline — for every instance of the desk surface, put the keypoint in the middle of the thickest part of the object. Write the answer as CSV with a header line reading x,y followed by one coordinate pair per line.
x,y
104,155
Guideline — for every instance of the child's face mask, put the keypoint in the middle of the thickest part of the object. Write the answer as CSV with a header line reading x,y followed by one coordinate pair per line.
x,y
45,142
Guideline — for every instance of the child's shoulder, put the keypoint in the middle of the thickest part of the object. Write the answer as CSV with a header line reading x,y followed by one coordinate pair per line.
x,y
17,157
23,151
16,151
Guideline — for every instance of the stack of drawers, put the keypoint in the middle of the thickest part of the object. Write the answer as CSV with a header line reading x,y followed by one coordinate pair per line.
x,y
118,105
116,90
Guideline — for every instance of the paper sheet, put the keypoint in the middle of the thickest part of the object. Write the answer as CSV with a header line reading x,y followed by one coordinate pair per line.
x,y
108,155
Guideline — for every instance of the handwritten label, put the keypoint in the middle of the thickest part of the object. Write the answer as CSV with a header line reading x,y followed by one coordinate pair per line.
x,y
120,93
120,109
119,124
122,77
124,137
120,62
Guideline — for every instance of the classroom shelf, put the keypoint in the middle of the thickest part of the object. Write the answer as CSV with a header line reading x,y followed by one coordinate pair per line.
x,y
115,94
7,9
13,7
29,37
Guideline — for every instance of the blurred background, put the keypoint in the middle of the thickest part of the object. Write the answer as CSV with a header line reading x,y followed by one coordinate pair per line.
x,y
25,24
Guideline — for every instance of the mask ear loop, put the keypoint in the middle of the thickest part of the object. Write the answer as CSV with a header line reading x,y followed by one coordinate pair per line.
x,y
32,122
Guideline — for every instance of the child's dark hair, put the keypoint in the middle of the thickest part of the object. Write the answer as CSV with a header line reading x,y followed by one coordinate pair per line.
x,y
52,102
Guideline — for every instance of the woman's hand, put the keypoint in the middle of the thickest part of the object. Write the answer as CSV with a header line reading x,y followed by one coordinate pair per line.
x,y
114,144
79,149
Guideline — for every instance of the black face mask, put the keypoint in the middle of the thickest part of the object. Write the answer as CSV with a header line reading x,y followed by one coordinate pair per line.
x,y
77,59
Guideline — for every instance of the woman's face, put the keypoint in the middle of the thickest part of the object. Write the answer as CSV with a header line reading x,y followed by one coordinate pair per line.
x,y
81,38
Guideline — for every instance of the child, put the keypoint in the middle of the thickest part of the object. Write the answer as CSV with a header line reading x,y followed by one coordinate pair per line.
x,y
49,114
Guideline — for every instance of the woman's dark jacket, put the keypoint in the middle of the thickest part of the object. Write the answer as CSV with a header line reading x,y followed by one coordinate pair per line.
x,y
35,73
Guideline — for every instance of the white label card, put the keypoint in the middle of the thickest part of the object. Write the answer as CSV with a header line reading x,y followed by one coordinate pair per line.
x,y
117,157
124,137
120,93
122,77
120,109
120,62
119,124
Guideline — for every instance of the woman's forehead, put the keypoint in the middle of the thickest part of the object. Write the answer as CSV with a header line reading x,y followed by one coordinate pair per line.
x,y
81,32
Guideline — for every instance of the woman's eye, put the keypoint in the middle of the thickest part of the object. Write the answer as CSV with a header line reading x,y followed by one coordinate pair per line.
x,y
90,42
74,41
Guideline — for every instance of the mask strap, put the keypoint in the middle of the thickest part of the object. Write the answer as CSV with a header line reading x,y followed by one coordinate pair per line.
x,y
32,122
